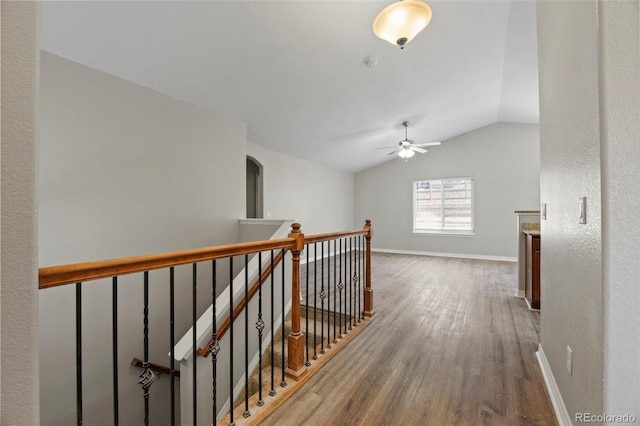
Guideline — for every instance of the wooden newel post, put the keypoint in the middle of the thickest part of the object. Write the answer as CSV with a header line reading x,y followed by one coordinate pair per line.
x,y
295,362
368,291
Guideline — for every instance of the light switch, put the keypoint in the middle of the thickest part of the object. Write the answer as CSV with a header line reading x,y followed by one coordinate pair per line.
x,y
543,211
583,210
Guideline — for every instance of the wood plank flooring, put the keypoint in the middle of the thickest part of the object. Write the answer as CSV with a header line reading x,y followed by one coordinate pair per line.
x,y
451,345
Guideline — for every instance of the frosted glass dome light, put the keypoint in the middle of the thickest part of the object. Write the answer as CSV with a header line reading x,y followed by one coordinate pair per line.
x,y
400,22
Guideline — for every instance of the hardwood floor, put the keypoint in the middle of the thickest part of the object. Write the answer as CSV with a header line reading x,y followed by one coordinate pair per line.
x,y
451,345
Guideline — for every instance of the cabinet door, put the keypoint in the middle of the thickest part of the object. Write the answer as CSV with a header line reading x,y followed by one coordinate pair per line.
x,y
528,289
535,273
532,279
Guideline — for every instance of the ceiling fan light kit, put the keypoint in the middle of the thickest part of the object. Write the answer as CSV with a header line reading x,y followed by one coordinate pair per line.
x,y
407,148
400,22
406,153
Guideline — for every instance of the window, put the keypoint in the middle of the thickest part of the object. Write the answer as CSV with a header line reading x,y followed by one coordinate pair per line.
x,y
443,206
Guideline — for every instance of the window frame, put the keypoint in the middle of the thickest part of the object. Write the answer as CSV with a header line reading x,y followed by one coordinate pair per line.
x,y
448,232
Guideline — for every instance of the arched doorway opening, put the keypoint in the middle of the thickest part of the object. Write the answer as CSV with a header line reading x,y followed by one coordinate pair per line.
x,y
254,188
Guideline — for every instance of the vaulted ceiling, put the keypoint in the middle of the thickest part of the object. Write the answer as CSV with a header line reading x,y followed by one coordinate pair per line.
x,y
295,71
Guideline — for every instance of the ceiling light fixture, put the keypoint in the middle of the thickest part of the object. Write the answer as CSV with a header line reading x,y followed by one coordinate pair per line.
x,y
400,22
406,153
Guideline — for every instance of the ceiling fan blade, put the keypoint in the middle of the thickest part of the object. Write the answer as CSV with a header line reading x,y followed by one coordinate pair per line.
x,y
395,151
428,144
418,149
386,147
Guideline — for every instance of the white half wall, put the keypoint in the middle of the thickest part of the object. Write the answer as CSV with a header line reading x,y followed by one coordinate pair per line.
x,y
318,195
125,171
502,158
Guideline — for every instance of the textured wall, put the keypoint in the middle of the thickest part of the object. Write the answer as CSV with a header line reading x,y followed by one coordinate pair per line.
x,y
19,352
125,171
503,159
318,195
571,274
620,118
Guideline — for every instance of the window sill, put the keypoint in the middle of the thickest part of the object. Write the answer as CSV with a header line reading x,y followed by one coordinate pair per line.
x,y
446,233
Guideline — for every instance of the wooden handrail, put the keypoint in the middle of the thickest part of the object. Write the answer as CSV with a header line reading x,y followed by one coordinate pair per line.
x,y
204,351
55,276
333,236
160,369
80,272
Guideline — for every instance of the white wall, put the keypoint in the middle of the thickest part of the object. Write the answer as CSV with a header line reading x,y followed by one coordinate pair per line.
x,y
19,294
504,161
124,171
571,255
320,196
620,131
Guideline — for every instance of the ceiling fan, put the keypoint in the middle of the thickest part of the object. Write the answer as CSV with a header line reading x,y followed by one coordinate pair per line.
x,y
407,148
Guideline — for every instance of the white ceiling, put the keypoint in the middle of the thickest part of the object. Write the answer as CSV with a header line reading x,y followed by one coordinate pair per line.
x,y
294,70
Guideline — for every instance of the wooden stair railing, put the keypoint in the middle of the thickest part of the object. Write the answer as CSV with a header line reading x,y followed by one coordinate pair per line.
x,y
354,258
77,274
206,350
54,276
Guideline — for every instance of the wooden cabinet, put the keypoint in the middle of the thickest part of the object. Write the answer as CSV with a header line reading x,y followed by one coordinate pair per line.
x,y
532,284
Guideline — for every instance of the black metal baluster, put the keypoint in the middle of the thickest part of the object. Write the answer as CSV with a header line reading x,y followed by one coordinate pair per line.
x,y
347,300
231,396
354,283
354,278
283,383
193,342
172,343
329,295
306,310
246,412
114,334
363,273
360,283
335,292
147,377
272,392
350,281
315,299
79,353
260,327
215,345
347,283
322,296
340,287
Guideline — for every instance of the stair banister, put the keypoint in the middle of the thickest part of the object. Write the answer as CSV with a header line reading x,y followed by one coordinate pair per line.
x,y
368,291
294,243
295,361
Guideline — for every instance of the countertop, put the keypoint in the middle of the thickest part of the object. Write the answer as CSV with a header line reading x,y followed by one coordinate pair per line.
x,y
532,232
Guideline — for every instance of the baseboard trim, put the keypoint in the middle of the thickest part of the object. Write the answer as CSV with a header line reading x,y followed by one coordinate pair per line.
x,y
455,255
520,293
562,415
